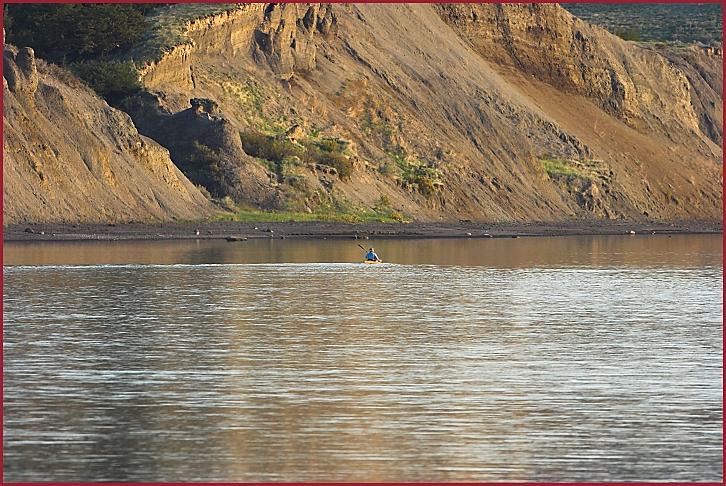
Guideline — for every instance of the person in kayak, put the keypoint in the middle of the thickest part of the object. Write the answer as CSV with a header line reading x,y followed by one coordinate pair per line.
x,y
371,256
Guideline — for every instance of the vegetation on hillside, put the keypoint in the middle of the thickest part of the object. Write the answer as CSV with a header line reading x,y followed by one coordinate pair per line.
x,y
412,173
102,43
570,169
666,22
112,80
166,28
203,166
63,33
629,34
280,153
84,38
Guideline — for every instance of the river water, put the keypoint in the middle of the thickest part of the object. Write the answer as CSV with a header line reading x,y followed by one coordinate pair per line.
x,y
530,359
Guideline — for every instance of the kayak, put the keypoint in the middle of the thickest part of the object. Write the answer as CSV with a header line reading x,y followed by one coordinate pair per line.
x,y
372,262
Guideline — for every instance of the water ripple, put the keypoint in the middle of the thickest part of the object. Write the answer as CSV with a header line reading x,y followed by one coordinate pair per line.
x,y
336,372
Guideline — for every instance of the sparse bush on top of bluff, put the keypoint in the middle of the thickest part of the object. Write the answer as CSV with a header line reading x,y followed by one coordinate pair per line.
x,y
671,22
64,33
629,34
83,38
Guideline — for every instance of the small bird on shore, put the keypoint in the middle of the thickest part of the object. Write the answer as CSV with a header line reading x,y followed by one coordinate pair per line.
x,y
196,232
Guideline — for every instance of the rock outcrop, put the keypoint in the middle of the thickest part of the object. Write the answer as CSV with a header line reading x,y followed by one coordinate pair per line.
x,y
638,86
206,146
69,157
285,37
703,68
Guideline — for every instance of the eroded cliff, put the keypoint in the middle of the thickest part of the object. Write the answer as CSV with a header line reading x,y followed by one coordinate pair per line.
x,y
505,112
69,157
481,112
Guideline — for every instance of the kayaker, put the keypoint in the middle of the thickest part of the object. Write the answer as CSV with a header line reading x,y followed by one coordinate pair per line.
x,y
371,256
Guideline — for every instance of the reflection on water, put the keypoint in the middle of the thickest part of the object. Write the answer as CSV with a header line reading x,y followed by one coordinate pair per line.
x,y
689,250
565,359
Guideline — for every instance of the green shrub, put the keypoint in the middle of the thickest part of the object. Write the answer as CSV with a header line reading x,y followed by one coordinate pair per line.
x,y
277,153
562,168
282,153
70,32
383,203
629,34
340,162
315,154
113,80
425,179
63,74
203,155
332,145
328,209
203,166
262,146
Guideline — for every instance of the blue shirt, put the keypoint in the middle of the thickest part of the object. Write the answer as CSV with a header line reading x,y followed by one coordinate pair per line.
x,y
371,256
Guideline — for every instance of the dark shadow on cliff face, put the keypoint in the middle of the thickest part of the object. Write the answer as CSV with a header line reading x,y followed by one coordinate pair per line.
x,y
69,157
206,147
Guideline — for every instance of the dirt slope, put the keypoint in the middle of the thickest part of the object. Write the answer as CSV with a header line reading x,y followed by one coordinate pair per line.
x,y
69,157
483,94
477,112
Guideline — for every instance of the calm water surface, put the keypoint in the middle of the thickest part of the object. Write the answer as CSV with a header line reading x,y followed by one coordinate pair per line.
x,y
531,359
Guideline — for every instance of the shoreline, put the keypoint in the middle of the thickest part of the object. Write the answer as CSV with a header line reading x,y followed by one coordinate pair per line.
x,y
239,231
